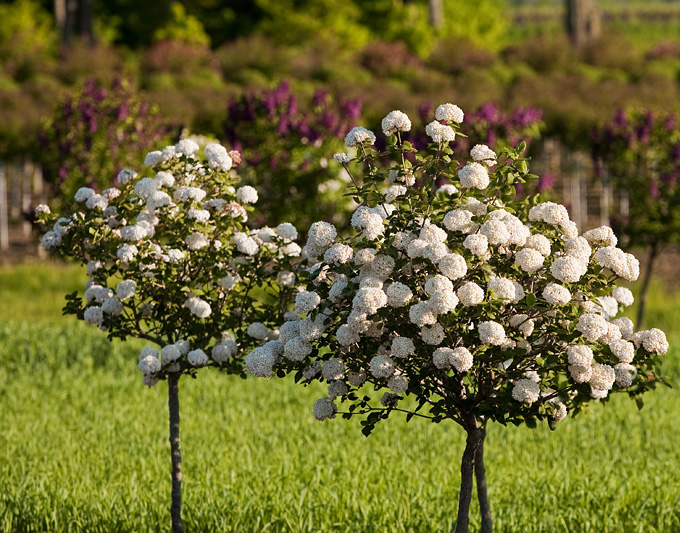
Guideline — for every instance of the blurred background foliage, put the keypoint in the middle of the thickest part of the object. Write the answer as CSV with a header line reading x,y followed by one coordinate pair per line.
x,y
187,60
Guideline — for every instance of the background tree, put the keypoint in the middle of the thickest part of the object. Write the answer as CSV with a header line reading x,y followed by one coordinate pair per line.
x,y
583,22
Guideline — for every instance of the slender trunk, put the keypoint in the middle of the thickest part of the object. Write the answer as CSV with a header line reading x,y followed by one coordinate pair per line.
x,y
176,454
653,251
474,439
480,479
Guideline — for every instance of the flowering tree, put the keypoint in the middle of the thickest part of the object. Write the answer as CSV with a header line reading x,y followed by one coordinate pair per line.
x,y
639,153
478,306
171,262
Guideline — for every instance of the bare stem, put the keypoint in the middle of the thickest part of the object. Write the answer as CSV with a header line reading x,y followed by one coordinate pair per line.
x,y
474,439
175,453
480,478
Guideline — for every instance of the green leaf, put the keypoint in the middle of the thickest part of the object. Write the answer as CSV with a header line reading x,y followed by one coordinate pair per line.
x,y
530,299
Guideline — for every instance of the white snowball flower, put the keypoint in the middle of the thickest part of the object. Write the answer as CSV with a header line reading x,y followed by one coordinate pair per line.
x,y
157,199
197,358
440,132
94,315
246,194
526,391
450,113
218,157
502,288
199,215
395,121
338,254
297,349
603,236
578,247
623,295
458,220
474,175
260,362
568,269
198,307
609,306
382,366
529,259
593,326
258,330
491,332
127,252
477,244
442,302
286,231
602,376
126,289
398,384
245,244
623,350
170,354
306,301
398,294
144,187
149,364
402,347
580,355
333,369
112,306
556,294
540,243
432,335
470,294
324,408
83,194
196,241
625,326
453,266
187,147
359,135
337,389
482,153
625,374
523,323
421,314
654,340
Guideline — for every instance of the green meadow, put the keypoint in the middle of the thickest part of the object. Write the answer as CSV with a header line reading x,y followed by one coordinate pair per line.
x,y
84,445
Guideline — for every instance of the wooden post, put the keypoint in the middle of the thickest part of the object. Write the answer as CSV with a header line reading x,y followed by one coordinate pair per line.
x,y
604,199
4,214
26,195
575,197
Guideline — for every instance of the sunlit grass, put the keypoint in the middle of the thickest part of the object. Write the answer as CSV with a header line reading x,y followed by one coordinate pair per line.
x,y
83,447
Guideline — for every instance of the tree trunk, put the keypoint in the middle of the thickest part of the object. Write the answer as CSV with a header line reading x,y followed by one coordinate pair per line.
x,y
480,479
474,438
653,251
176,453
583,22
436,13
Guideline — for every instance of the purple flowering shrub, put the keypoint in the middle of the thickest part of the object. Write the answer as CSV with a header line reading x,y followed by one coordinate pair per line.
x,y
638,152
286,149
95,134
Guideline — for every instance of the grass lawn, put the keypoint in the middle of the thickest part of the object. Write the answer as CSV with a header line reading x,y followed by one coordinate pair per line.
x,y
83,446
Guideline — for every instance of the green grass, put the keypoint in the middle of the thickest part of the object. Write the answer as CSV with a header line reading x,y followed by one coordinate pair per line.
x,y
83,447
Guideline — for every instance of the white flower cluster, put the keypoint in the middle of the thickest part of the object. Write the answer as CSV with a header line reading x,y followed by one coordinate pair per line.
x,y
168,255
442,295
